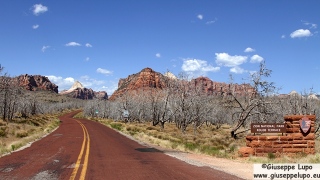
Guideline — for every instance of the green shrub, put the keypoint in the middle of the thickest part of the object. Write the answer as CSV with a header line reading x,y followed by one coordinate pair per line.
x,y
117,126
13,147
174,145
3,131
134,129
271,156
191,146
233,148
210,150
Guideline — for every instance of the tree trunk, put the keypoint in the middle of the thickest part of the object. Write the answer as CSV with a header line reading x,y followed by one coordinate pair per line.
x,y
162,125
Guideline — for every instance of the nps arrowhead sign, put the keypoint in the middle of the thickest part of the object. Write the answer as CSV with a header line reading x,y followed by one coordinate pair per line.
x,y
305,124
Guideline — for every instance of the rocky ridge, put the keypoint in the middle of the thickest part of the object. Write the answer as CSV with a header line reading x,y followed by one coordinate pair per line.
x,y
220,88
150,79
145,79
35,83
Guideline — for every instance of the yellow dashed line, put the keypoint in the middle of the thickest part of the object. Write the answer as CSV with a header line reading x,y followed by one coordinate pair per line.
x,y
86,159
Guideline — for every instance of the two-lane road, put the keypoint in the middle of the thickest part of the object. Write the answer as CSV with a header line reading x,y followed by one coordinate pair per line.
x,y
82,149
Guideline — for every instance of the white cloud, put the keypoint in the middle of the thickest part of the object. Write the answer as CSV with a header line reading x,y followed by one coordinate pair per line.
x,y
111,88
200,16
66,83
211,22
36,26
158,55
63,83
86,81
301,33
88,45
314,26
256,59
283,36
249,49
39,8
98,85
198,67
44,48
237,70
90,83
311,25
224,59
104,71
73,44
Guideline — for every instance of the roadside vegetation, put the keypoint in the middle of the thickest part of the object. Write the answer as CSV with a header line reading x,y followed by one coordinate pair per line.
x,y
26,116
210,140
20,133
184,117
181,117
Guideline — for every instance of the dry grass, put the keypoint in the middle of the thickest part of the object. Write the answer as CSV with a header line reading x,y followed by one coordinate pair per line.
x,y
207,140
21,131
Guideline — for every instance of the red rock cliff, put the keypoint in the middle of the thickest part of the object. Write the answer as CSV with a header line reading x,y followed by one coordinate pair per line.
x,y
219,88
147,78
35,83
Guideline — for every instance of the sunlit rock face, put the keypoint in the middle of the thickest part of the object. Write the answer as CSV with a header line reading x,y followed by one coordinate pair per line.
x,y
148,79
77,90
35,83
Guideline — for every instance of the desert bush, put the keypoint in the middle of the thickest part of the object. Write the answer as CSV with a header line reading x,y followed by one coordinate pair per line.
x,y
13,147
3,131
210,150
2,123
190,146
22,134
151,128
116,125
271,156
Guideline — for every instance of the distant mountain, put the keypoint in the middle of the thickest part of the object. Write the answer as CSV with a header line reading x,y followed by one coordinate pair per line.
x,y
170,75
35,83
76,85
220,88
150,79
77,90
145,79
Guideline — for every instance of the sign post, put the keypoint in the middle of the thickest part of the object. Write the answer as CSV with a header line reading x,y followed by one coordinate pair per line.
x,y
125,115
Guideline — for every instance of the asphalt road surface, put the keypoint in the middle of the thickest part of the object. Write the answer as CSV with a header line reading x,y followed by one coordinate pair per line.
x,y
83,149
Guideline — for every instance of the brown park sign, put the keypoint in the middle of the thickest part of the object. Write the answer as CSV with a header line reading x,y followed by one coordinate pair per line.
x,y
268,128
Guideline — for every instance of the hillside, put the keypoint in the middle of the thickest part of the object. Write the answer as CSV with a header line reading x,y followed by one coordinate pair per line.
x,y
35,83
147,78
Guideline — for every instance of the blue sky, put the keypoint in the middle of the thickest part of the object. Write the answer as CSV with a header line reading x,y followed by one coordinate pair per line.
x,y
99,42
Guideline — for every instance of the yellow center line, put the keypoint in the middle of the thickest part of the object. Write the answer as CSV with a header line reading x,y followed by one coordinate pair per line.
x,y
86,159
85,165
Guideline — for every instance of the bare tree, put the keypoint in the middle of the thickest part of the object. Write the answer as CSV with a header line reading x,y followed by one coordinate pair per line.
x,y
254,103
